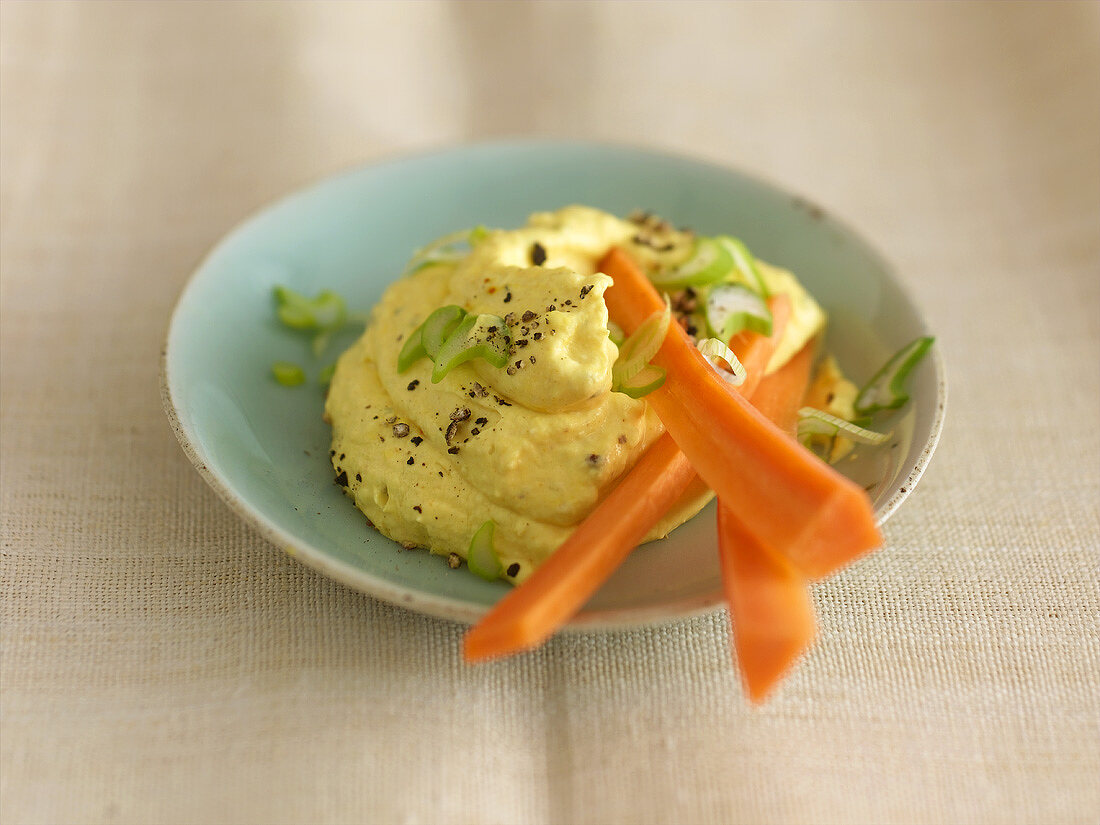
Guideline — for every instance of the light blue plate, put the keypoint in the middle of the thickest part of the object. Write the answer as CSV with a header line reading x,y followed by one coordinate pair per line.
x,y
264,448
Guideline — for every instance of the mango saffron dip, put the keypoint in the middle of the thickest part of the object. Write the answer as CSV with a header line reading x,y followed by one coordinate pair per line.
x,y
484,389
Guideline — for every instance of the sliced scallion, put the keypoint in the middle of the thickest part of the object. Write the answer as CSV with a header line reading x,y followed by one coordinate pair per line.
x,y
475,336
813,422
716,351
731,308
615,333
325,315
745,264
293,309
710,261
637,350
482,557
645,381
329,310
439,326
886,390
447,249
325,311
412,350
324,378
288,374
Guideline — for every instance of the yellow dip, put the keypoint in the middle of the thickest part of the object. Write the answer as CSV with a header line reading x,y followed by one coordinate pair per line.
x,y
543,440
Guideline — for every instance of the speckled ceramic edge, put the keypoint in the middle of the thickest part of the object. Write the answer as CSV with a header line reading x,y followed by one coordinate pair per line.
x,y
887,509
462,611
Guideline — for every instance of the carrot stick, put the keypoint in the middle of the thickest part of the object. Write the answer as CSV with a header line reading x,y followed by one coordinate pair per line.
x,y
627,307
785,496
561,585
770,606
779,395
771,612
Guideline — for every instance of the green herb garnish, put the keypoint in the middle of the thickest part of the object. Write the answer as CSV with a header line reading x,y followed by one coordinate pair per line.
x,y
476,336
324,315
710,261
450,336
447,249
886,390
325,311
731,308
288,374
482,557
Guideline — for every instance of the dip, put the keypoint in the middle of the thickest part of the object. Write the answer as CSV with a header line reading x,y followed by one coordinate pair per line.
x,y
532,446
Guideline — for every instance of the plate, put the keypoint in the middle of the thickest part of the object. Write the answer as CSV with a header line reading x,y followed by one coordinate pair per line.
x,y
264,448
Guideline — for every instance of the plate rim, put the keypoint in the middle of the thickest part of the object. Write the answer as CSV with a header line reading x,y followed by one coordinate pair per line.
x,y
459,610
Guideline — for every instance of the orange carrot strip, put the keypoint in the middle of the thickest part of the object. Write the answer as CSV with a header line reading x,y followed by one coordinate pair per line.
x,y
785,496
771,611
627,307
770,606
561,585
779,395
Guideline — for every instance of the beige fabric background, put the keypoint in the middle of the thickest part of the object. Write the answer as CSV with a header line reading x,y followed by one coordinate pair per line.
x,y
163,664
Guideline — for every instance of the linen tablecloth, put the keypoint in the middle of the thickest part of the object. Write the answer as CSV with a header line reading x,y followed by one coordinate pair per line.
x,y
162,663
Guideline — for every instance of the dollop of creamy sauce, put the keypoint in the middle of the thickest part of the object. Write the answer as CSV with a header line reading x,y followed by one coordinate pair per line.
x,y
532,446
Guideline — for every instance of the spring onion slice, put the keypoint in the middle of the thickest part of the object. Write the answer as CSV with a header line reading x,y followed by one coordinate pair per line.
x,y
288,374
412,350
482,557
615,333
886,390
731,308
476,336
326,311
745,264
329,310
637,350
324,378
439,326
710,261
477,235
818,422
446,249
645,381
715,351
325,314
293,309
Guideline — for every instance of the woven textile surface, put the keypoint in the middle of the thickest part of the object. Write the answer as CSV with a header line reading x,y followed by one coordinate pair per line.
x,y
161,663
